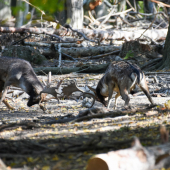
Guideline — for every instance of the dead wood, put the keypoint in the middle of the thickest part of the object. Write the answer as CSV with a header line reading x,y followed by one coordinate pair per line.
x,y
83,69
150,63
47,31
21,40
135,48
78,52
42,44
155,73
78,32
127,35
163,4
95,34
24,125
2,165
64,146
101,55
136,157
114,113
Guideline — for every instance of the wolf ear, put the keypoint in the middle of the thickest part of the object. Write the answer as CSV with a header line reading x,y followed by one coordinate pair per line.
x,y
92,89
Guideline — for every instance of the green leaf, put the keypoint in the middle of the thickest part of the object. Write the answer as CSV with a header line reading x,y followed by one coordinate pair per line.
x,y
130,54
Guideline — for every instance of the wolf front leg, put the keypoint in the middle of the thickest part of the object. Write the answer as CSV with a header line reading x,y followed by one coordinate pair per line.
x,y
125,97
117,95
2,96
144,87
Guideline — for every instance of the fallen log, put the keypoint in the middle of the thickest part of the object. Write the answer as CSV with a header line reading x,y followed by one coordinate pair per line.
x,y
73,51
102,55
84,69
159,34
137,157
98,113
42,44
85,51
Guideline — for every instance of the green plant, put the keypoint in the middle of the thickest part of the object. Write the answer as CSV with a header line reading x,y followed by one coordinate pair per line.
x,y
129,54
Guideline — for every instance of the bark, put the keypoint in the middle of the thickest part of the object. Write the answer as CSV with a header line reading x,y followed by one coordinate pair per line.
x,y
75,13
166,54
165,63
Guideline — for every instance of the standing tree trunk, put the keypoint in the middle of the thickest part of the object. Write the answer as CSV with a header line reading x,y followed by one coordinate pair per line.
x,y
165,64
5,9
21,13
75,13
149,7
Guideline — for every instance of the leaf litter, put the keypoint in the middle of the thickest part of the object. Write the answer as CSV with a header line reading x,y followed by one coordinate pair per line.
x,y
28,140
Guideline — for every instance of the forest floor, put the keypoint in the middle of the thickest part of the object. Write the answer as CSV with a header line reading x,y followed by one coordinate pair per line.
x,y
29,138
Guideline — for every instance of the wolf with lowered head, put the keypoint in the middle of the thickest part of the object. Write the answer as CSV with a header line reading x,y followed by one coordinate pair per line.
x,y
19,73
121,77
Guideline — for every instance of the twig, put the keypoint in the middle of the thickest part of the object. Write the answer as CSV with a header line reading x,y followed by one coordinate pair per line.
x,y
101,55
30,21
71,58
126,22
147,28
16,42
150,14
107,17
34,7
115,14
60,55
132,7
85,16
165,5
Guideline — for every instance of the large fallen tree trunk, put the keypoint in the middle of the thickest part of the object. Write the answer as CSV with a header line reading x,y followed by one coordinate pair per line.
x,y
75,52
127,35
135,158
84,69
158,34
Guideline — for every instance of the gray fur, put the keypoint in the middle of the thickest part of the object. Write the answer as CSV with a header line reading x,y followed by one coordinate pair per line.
x,y
19,73
121,77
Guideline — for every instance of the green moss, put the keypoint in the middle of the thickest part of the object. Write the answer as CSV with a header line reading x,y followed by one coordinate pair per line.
x,y
27,53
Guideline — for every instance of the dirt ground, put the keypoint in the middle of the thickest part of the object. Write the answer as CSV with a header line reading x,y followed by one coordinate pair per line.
x,y
27,139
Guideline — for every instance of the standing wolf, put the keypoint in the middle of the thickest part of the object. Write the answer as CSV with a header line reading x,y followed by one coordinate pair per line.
x,y
121,77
